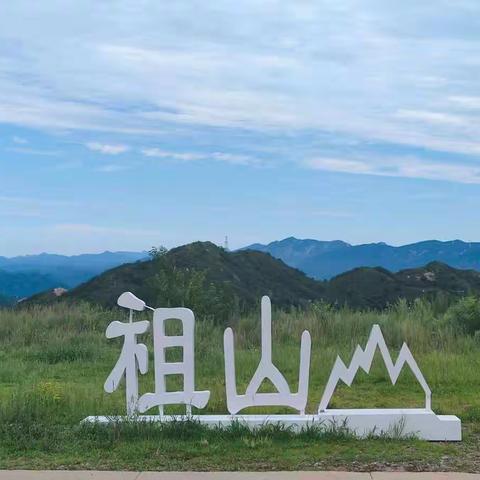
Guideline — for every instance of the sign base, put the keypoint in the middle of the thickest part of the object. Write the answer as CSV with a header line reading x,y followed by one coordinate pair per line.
x,y
392,422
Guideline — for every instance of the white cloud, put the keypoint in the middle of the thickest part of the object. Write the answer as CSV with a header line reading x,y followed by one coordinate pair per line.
x,y
339,165
19,140
83,228
35,201
112,168
236,159
106,148
159,153
472,103
366,70
89,229
400,167
34,151
18,206
309,212
431,117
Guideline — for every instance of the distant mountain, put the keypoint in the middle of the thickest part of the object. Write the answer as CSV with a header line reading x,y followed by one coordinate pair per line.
x,y
324,260
240,277
377,287
7,301
40,272
296,253
246,275
14,286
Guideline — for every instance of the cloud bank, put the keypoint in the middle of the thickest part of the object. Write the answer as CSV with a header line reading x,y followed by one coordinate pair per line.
x,y
400,75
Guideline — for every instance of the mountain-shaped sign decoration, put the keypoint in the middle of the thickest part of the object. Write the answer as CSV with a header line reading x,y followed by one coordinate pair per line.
x,y
363,359
421,422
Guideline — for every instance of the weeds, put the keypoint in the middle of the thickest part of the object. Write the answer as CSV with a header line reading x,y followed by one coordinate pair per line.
x,y
54,361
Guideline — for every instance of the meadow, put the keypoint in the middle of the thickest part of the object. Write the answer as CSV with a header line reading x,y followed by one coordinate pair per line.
x,y
55,359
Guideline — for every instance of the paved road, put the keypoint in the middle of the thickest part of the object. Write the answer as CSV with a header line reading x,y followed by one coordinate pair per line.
x,y
93,475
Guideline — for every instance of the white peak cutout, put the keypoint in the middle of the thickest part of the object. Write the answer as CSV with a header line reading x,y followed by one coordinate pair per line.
x,y
363,359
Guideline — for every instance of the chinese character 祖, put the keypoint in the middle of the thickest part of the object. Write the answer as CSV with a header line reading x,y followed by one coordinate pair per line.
x,y
134,356
161,342
266,370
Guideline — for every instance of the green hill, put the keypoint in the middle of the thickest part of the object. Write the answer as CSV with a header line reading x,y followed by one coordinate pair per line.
x,y
377,287
213,281
202,276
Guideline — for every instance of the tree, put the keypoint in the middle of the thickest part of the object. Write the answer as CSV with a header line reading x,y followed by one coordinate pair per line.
x,y
465,314
157,252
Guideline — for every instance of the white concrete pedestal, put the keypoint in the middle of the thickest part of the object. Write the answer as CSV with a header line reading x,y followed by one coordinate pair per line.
x,y
419,422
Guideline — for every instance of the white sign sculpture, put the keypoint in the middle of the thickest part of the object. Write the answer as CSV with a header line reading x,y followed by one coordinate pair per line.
x,y
161,342
363,359
133,357
266,370
422,422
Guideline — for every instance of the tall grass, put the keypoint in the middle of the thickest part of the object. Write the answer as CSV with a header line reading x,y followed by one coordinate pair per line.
x,y
54,360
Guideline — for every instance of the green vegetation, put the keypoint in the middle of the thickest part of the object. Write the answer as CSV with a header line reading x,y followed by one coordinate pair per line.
x,y
201,275
215,282
377,288
54,360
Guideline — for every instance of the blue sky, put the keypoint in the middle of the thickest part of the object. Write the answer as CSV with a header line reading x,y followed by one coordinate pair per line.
x,y
133,123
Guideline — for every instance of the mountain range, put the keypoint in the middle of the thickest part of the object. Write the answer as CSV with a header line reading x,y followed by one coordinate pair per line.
x,y
321,260
240,278
248,274
326,259
26,275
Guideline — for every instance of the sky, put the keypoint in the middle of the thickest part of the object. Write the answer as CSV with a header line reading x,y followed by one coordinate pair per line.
x,y
129,124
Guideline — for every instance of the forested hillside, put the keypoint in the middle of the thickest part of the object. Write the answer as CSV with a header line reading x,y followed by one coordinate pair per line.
x,y
216,282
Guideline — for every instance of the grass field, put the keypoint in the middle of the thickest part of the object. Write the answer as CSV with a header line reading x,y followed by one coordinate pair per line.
x,y
54,361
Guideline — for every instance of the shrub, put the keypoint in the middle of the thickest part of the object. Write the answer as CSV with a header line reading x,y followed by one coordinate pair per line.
x,y
465,315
